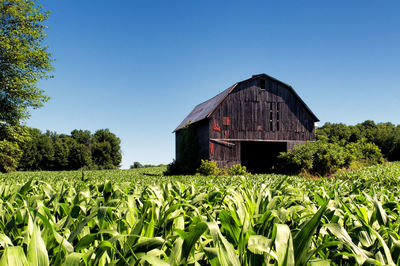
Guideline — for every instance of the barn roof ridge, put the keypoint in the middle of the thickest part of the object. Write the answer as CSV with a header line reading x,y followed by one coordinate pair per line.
x,y
206,108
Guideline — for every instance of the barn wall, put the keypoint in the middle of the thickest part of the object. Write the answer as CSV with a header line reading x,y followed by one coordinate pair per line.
x,y
191,145
224,154
292,144
250,113
203,137
248,109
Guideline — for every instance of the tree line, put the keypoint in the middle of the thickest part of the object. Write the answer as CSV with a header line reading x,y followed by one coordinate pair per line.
x,y
385,135
34,150
339,146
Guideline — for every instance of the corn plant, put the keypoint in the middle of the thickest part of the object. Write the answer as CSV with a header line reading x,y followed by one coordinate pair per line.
x,y
139,217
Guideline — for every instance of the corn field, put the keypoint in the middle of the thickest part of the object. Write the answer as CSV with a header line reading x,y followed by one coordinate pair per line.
x,y
139,217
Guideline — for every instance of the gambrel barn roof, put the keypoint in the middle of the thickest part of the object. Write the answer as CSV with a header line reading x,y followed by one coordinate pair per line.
x,y
205,109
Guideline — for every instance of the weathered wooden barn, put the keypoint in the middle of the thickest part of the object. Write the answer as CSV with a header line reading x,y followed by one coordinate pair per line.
x,y
248,123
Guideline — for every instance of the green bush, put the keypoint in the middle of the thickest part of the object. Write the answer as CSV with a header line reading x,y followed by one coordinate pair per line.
x,y
208,168
301,158
366,153
322,158
179,168
237,169
329,158
171,168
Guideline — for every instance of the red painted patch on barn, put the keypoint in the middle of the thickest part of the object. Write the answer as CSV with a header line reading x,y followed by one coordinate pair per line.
x,y
216,127
226,121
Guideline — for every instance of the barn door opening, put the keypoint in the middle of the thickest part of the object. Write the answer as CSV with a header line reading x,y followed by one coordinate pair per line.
x,y
260,157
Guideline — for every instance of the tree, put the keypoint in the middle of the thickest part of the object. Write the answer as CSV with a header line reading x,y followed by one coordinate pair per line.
x,y
79,156
82,136
333,133
30,160
52,151
9,156
101,154
24,60
62,145
136,165
11,139
106,149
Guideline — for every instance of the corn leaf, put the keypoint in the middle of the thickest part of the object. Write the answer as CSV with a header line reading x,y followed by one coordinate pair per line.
x,y
37,253
302,239
13,256
191,238
284,245
73,259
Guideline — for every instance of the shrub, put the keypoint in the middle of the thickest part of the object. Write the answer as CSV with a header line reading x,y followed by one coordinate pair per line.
x,y
321,158
173,169
208,168
301,158
179,168
329,158
365,152
315,158
237,169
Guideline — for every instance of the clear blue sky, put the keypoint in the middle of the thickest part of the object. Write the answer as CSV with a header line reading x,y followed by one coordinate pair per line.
x,y
139,67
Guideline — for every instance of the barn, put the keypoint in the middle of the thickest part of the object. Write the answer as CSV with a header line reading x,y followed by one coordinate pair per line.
x,y
249,123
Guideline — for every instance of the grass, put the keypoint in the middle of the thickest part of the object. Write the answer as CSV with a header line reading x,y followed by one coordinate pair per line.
x,y
140,217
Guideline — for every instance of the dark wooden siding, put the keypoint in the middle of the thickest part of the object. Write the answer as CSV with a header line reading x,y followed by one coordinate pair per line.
x,y
203,139
192,148
225,154
249,109
292,144
273,114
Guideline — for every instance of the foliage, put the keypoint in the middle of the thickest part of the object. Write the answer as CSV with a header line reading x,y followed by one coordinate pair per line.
x,y
144,218
52,151
328,158
106,149
315,158
83,137
11,139
24,60
321,158
38,152
237,169
10,154
385,135
387,174
139,165
337,146
208,168
365,152
79,156
136,165
173,168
